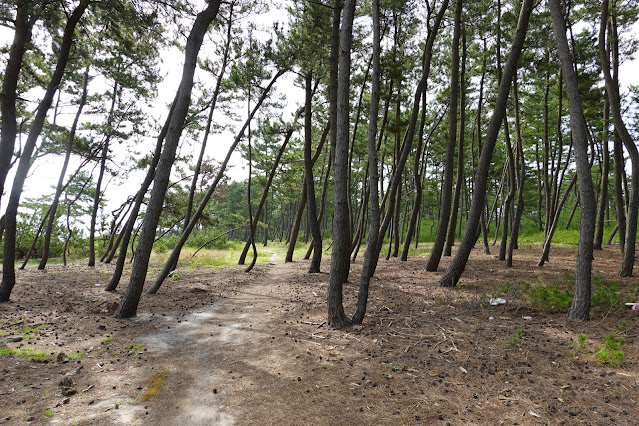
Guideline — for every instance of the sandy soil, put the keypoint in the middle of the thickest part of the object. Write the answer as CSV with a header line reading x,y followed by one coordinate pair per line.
x,y
225,347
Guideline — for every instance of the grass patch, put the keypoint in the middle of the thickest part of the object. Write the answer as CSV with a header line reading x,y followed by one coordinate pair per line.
x,y
106,340
135,347
48,412
28,332
27,351
75,355
154,385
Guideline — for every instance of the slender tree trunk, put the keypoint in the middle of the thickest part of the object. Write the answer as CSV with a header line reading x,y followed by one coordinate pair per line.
x,y
410,130
447,187
419,187
98,185
267,187
612,88
451,277
310,182
340,256
603,188
207,129
251,234
130,299
35,238
580,307
8,269
8,126
56,198
175,253
450,239
571,216
521,176
70,204
125,235
620,204
546,155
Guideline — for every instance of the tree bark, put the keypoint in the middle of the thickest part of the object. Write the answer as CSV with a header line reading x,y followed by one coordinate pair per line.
x,y
447,187
130,299
8,125
580,307
175,253
612,88
521,176
8,269
56,197
459,180
603,187
309,181
340,256
451,277
371,255
98,185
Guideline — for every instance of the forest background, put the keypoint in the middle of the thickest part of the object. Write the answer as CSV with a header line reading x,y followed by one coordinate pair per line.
x,y
113,93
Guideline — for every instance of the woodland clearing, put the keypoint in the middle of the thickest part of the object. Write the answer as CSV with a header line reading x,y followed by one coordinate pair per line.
x,y
220,346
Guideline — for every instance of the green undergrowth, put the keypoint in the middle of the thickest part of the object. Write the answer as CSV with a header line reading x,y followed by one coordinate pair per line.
x,y
557,296
609,353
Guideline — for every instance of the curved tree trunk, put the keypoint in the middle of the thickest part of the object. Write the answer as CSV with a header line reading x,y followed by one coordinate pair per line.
x,y
612,88
603,188
580,307
267,187
175,253
56,198
130,299
447,186
8,126
98,185
8,268
454,271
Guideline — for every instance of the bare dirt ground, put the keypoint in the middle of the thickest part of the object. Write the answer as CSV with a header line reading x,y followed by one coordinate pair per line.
x,y
225,347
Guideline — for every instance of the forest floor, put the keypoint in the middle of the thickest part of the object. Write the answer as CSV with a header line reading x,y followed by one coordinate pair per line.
x,y
226,347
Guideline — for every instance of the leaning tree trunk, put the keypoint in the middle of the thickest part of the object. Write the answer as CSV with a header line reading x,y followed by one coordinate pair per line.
x,y
8,269
419,187
521,176
23,24
612,88
451,277
125,235
603,189
309,181
175,254
450,237
267,187
98,185
131,298
447,187
580,307
56,197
